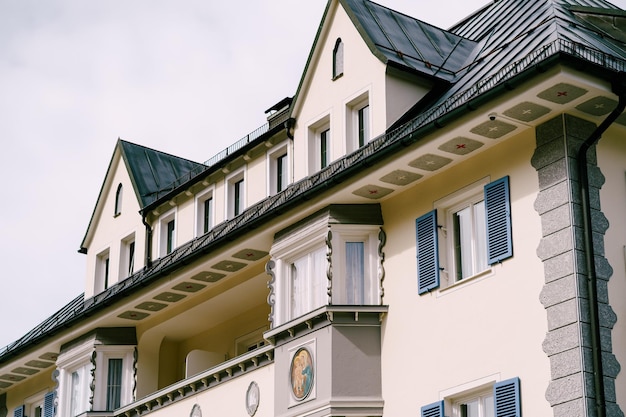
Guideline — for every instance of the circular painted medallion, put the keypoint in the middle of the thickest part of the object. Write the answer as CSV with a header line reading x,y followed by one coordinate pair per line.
x,y
301,374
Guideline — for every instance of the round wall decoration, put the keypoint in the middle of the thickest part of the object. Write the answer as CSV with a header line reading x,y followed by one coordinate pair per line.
x,y
301,373
195,411
252,398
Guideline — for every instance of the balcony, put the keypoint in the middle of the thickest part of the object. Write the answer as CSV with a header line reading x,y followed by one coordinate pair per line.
x,y
217,390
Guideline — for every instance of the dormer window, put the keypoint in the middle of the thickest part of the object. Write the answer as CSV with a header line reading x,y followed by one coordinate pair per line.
x,y
118,201
338,59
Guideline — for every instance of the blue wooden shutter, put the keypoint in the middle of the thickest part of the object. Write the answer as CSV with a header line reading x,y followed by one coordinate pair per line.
x,y
427,252
506,395
19,411
433,410
498,219
48,405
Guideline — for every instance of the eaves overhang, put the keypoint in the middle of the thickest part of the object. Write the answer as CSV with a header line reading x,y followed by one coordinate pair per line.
x,y
392,143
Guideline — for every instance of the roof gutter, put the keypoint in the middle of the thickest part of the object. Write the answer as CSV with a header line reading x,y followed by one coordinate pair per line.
x,y
619,88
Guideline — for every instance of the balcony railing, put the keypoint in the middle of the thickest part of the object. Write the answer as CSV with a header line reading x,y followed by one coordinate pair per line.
x,y
199,383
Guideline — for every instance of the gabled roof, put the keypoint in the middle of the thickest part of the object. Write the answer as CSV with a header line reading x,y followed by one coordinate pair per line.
x,y
540,30
509,30
404,41
513,35
153,172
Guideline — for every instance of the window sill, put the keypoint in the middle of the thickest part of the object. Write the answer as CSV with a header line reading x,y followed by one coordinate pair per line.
x,y
467,281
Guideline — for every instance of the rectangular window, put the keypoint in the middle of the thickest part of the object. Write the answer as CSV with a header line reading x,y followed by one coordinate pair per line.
x,y
114,384
323,149
281,173
131,257
473,233
79,390
171,227
308,282
238,197
363,125
488,400
103,272
207,215
355,273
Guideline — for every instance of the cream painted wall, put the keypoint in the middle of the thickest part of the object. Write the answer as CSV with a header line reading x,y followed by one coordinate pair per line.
x,y
611,153
109,231
493,326
401,95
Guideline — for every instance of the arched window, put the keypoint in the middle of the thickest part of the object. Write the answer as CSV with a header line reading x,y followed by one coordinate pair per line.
x,y
118,201
338,59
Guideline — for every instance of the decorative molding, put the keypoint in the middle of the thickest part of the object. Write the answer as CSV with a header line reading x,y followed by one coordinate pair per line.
x,y
271,297
135,360
329,270
92,383
253,397
382,240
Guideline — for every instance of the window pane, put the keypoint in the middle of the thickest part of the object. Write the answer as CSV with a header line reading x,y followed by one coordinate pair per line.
x,y
207,214
463,243
319,280
298,287
364,117
170,236
238,198
281,173
114,384
355,273
131,258
481,236
324,142
488,405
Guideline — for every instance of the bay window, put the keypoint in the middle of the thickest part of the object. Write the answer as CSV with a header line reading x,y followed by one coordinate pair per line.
x,y
330,258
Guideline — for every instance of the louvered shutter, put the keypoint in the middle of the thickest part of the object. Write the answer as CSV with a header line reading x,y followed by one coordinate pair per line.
x,y
48,405
498,219
19,411
427,252
433,410
506,395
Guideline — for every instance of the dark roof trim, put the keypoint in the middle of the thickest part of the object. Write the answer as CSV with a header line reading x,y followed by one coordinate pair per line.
x,y
196,176
594,62
598,11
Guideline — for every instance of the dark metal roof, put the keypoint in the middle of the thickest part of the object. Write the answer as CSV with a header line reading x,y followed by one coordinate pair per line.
x,y
151,171
408,42
513,36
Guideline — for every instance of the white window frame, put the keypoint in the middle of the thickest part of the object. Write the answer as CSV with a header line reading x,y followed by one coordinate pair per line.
x,y
119,193
125,259
353,107
231,181
67,363
33,402
103,271
368,235
285,252
446,208
461,394
103,354
163,231
315,131
273,155
200,199
338,59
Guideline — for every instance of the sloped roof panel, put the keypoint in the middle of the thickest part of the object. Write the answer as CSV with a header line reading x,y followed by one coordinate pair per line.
x,y
154,172
410,42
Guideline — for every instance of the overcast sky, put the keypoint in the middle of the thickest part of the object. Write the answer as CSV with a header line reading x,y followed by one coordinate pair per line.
x,y
187,77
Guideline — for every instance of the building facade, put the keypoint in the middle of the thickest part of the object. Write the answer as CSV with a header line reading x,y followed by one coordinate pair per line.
x,y
433,225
